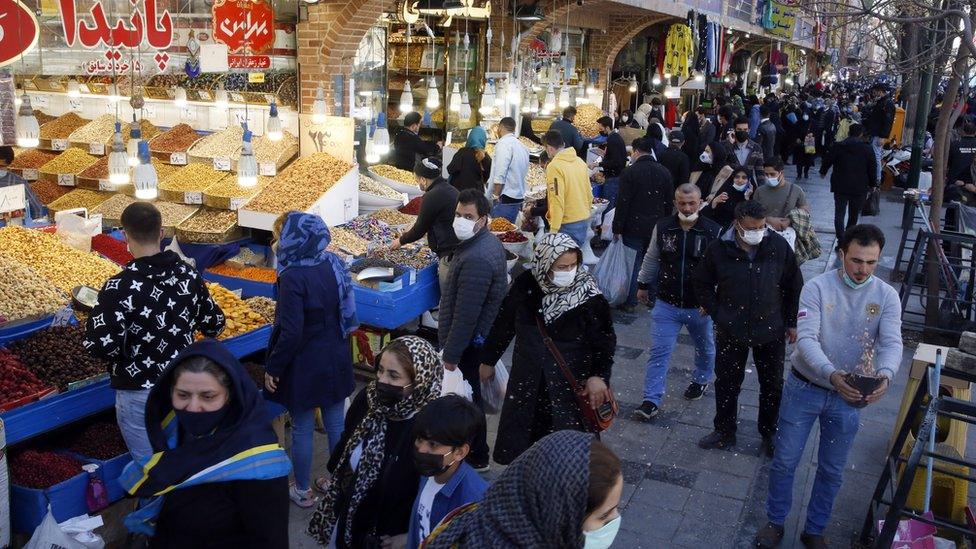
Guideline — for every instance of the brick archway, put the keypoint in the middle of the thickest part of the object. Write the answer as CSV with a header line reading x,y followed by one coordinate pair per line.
x,y
629,28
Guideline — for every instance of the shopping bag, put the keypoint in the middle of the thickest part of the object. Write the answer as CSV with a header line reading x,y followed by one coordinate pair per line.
x,y
493,390
606,229
613,272
454,383
76,229
872,206
74,533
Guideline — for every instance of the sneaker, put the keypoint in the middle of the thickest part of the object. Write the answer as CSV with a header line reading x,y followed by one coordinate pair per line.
x,y
303,499
646,411
695,391
811,541
768,447
768,537
716,440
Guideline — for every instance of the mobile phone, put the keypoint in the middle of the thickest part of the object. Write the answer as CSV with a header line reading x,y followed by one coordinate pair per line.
x,y
605,410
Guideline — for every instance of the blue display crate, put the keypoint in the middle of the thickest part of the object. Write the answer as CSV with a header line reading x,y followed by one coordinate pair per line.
x,y
28,505
393,309
13,331
249,288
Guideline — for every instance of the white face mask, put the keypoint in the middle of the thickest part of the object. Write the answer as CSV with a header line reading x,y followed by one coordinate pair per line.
x,y
688,218
806,117
463,228
564,278
772,181
752,237
741,187
602,537
705,158
624,118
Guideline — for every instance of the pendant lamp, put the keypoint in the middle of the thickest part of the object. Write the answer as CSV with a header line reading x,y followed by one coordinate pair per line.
x,y
146,178
118,160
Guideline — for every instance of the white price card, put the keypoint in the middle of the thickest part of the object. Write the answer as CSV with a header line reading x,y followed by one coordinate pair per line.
x,y
39,101
30,174
188,114
12,198
193,198
97,149
236,203
66,179
238,116
205,95
149,110
105,185
269,169
74,104
59,144
221,163
178,159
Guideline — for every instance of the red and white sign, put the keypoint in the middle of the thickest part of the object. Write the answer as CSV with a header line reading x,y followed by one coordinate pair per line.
x,y
147,25
244,25
249,61
18,30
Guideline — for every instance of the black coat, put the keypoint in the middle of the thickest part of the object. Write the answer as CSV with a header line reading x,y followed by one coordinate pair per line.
x,y
436,219
680,253
615,157
677,164
645,195
961,156
466,172
855,167
755,300
724,213
880,118
538,400
766,136
707,133
385,509
408,147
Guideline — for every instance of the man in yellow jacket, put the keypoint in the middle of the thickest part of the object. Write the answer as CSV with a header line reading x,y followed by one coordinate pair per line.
x,y
569,193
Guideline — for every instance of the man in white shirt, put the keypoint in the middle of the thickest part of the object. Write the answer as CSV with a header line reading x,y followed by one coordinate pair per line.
x,y
508,170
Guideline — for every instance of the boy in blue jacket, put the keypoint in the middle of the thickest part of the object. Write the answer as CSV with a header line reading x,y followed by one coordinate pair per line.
x,y
443,431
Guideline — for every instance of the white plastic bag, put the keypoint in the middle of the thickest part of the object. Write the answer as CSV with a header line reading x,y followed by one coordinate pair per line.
x,y
455,384
76,229
606,230
493,390
74,533
613,272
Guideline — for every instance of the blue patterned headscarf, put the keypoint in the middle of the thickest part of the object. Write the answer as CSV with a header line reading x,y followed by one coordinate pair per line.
x,y
302,243
477,138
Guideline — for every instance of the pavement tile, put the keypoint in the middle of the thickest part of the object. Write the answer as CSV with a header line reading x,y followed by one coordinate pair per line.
x,y
659,495
671,474
724,484
629,353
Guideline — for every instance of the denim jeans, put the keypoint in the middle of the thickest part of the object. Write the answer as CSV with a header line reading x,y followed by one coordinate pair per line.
x,y
804,403
668,321
610,188
878,150
576,230
640,246
508,211
130,411
302,425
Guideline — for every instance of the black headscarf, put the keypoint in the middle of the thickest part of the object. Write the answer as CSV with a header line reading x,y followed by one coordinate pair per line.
x,y
690,128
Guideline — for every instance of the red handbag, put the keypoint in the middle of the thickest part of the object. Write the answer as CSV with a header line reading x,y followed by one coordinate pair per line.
x,y
597,420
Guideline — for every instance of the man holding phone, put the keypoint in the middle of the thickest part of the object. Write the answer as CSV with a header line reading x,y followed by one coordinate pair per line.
x,y
848,350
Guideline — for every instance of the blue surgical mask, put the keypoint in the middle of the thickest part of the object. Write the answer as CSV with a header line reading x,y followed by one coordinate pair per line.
x,y
740,188
772,181
851,283
602,537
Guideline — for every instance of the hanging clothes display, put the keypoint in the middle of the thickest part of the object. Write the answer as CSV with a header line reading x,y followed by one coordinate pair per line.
x,y
670,113
740,61
711,48
662,53
701,56
679,49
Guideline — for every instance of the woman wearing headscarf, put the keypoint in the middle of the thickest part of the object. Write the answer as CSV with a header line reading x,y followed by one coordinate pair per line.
x,y
721,204
626,120
308,363
218,477
713,165
374,480
471,165
690,129
563,492
576,316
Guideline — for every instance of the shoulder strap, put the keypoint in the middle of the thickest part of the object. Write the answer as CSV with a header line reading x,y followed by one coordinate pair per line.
x,y
556,354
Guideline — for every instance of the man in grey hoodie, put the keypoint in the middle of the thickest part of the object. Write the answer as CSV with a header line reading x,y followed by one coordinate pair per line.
x,y
848,322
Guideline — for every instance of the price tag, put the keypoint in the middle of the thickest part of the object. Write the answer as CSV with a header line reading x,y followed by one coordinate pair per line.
x,y
39,101
178,159
66,179
255,78
188,114
236,97
149,110
105,185
238,292
30,174
74,104
12,198
205,95
59,144
97,149
221,163
193,198
267,168
83,88
63,316
236,203
238,116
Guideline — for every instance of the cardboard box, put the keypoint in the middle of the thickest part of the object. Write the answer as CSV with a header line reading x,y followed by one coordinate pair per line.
x,y
925,357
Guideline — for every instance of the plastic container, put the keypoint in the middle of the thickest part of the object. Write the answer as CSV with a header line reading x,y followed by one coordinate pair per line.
x,y
28,505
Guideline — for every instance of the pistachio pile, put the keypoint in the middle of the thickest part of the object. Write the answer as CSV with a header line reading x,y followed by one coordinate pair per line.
x,y
225,143
62,265
301,184
24,293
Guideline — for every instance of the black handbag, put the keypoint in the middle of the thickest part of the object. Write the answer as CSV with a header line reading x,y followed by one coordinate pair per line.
x,y
872,205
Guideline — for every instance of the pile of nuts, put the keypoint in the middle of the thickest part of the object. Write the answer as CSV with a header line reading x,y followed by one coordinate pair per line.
x,y
176,139
394,173
190,178
266,150
228,188
146,130
529,144
225,143
174,214
394,217
73,160
413,256
79,198
586,117
368,185
112,208
263,306
348,241
215,222
535,177
24,293
239,318
48,191
31,159
301,184
57,356
102,130
62,126
59,263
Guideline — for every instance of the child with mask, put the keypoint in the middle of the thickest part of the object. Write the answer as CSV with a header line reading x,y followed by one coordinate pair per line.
x,y
443,432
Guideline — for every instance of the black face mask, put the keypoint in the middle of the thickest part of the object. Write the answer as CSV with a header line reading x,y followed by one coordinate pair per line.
x,y
741,136
200,424
429,465
388,395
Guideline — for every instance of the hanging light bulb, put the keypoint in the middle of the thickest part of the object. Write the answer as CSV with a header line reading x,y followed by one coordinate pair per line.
x,y
28,131
406,98
145,178
590,88
74,90
433,96
656,80
581,98
381,137
549,103
247,165
118,160
699,77
499,97
371,156
135,136
633,84
180,97
563,96
667,75
533,101
464,113
220,98
514,93
488,98
18,101
788,81
113,93
455,103
319,109
526,101
274,132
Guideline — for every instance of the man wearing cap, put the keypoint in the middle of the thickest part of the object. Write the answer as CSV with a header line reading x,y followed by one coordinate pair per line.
x,y
675,160
879,122
408,147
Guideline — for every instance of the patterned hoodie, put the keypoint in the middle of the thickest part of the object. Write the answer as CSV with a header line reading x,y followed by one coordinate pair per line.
x,y
146,315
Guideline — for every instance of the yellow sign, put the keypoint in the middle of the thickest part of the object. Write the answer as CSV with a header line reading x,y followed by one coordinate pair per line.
x,y
333,136
255,78
784,20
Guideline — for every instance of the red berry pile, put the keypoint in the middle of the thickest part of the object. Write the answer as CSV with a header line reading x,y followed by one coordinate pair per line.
x,y
40,470
513,236
113,249
57,356
100,440
16,381
412,207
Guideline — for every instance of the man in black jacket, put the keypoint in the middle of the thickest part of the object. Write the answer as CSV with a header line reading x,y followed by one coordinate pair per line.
x,y
749,283
408,147
962,153
145,316
854,176
436,214
645,196
571,134
677,246
675,159
766,134
879,122
476,285
614,160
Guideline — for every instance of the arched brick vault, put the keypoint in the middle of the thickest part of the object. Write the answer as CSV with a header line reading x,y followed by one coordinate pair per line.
x,y
629,27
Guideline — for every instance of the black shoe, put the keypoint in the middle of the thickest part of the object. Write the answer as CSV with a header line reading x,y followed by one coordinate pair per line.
x,y
811,541
716,440
767,447
480,467
695,391
768,537
646,411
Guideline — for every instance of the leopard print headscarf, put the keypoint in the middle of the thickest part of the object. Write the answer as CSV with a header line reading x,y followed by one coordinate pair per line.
x,y
558,300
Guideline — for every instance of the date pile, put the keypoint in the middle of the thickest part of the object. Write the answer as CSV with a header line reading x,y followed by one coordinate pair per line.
x,y
57,356
41,470
16,381
99,440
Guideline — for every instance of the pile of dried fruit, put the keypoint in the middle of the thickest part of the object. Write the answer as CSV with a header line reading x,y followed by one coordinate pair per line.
x,y
412,207
501,225
264,306
79,198
24,293
513,237
223,144
59,263
257,274
239,318
535,177
62,126
394,173
208,226
58,356
31,159
73,160
191,178
348,241
48,191
301,184
16,381
113,249
41,470
368,185
100,440
393,217
176,139
529,144
586,117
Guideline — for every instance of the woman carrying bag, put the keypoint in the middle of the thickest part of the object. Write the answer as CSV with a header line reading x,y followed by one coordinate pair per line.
x,y
471,165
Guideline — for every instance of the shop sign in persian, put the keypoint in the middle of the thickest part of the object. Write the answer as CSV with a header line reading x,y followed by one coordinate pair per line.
x,y
247,27
146,25
249,61
19,30
334,136
783,19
